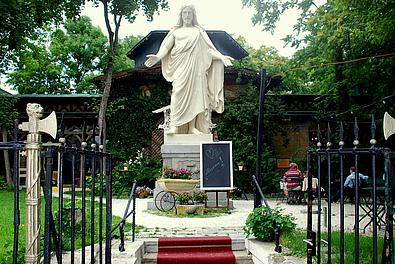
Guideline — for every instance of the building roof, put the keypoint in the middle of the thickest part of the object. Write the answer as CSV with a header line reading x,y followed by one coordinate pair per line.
x,y
150,45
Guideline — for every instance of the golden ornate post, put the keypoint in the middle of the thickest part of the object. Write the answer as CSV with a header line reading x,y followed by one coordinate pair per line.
x,y
33,167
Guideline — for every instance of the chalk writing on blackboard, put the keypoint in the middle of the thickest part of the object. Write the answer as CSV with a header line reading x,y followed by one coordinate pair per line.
x,y
216,161
216,165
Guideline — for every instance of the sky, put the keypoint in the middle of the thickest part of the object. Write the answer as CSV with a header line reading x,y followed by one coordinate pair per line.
x,y
227,15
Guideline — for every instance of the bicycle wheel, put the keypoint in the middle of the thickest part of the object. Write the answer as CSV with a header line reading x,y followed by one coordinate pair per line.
x,y
157,199
167,202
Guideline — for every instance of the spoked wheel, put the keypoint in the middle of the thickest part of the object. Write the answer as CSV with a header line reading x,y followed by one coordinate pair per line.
x,y
157,199
167,201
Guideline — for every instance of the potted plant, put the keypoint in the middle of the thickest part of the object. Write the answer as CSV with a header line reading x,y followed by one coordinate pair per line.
x,y
185,205
143,191
177,180
260,224
199,197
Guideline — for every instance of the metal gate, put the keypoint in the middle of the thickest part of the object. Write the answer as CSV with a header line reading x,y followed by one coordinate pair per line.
x,y
339,219
86,219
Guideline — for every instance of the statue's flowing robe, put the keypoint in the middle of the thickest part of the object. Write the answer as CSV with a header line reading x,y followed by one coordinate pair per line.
x,y
196,77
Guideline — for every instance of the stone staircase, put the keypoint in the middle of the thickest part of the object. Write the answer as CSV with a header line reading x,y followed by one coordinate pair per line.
x,y
238,247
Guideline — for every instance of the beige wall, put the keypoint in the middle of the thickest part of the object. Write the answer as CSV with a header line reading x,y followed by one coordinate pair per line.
x,y
298,141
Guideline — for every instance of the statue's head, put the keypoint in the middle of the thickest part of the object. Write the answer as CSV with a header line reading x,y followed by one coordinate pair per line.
x,y
187,16
34,110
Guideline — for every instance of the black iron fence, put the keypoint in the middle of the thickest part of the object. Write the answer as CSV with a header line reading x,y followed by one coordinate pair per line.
x,y
77,201
340,216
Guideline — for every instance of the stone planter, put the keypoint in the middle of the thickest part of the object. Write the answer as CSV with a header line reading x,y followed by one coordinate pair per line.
x,y
185,209
177,185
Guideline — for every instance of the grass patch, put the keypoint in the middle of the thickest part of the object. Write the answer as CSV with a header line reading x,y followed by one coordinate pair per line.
x,y
294,242
209,212
7,220
88,195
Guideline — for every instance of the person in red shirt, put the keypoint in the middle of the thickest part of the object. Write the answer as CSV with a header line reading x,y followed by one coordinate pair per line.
x,y
292,180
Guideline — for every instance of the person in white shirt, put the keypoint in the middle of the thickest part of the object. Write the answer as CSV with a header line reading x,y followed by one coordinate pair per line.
x,y
349,185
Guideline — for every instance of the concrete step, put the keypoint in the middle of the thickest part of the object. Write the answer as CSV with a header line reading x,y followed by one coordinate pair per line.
x,y
151,244
242,257
191,231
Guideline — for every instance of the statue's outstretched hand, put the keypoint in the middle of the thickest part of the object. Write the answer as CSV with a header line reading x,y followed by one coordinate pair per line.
x,y
227,60
152,60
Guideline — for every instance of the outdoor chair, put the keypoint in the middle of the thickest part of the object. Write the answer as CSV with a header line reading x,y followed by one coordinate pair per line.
x,y
293,190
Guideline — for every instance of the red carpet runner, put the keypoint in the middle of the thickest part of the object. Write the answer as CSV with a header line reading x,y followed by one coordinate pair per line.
x,y
196,250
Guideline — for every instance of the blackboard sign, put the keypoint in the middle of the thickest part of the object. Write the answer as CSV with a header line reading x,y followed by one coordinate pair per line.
x,y
216,171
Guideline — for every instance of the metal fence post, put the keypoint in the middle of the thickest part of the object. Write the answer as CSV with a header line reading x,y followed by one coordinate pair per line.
x,y
33,167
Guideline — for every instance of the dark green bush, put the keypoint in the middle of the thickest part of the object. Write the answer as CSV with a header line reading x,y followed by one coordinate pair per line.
x,y
259,223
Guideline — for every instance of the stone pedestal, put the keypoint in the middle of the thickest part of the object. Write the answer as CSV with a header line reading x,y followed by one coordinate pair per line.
x,y
183,151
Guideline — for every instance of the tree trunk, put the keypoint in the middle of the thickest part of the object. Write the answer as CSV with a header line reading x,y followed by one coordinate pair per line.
x,y
103,105
7,161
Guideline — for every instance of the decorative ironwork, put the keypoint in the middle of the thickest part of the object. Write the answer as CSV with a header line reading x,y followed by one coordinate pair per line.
x,y
373,201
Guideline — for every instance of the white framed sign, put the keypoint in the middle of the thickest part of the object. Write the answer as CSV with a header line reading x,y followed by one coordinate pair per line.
x,y
216,165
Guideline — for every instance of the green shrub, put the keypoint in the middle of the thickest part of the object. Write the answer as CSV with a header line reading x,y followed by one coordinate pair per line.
x,y
3,183
259,223
199,197
183,198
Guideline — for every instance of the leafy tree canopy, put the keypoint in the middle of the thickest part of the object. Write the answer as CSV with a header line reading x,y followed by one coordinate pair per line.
x,y
123,62
68,64
22,20
7,110
348,47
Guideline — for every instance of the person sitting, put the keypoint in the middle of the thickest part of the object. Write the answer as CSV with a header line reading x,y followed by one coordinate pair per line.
x,y
349,185
292,180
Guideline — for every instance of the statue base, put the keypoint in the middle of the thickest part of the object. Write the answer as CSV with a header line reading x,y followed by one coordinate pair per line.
x,y
183,151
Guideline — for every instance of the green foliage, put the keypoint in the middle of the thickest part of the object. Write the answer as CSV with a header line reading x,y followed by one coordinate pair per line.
x,y
96,183
144,170
3,183
22,20
238,124
123,62
66,218
292,241
262,58
7,111
66,65
130,119
183,198
130,9
259,223
199,197
340,40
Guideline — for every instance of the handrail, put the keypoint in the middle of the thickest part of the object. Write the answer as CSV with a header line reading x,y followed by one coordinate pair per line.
x,y
121,224
274,222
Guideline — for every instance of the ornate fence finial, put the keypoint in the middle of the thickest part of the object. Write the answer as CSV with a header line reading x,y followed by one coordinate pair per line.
x,y
328,136
319,136
356,130
341,134
62,139
101,140
373,131
83,136
93,144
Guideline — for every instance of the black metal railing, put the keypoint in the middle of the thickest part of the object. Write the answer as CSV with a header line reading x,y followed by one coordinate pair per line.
x,y
127,213
372,202
73,167
276,226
